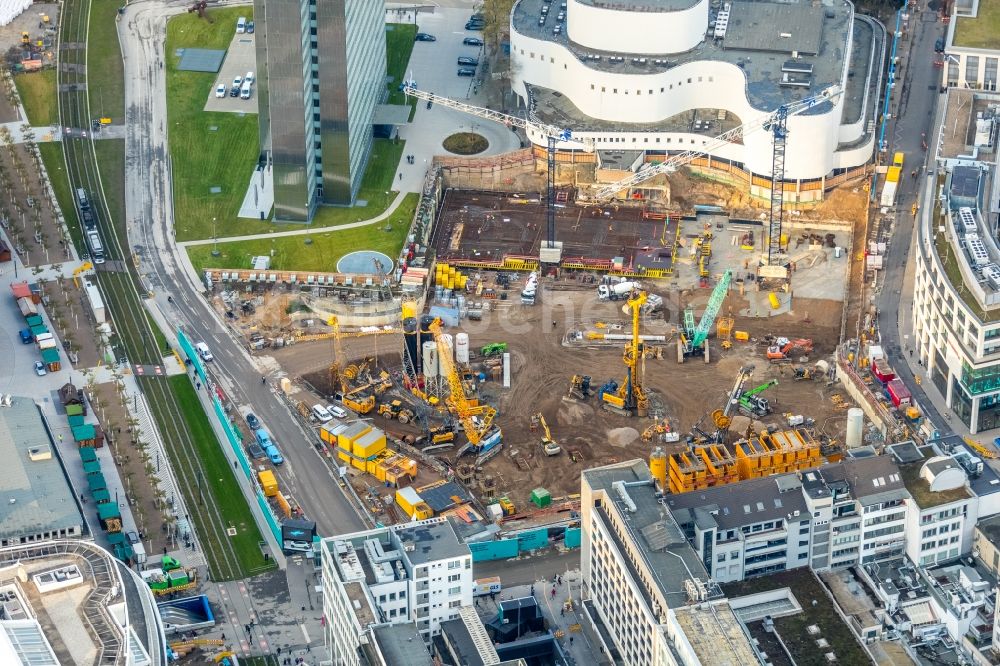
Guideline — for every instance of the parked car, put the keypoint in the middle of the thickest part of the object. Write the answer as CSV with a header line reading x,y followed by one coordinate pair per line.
x,y
338,412
465,60
253,421
220,90
238,81
250,27
475,25
249,78
424,37
472,41
40,369
465,71
234,92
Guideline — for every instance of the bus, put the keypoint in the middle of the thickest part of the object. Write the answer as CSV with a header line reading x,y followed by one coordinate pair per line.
x,y
96,247
81,199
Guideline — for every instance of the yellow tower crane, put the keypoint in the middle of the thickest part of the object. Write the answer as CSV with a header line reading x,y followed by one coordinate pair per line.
x,y
630,397
477,419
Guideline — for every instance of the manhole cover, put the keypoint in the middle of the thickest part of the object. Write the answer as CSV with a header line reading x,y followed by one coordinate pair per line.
x,y
215,190
231,531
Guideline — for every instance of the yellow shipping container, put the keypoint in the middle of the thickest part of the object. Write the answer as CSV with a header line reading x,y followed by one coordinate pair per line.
x,y
360,464
268,483
343,455
411,504
369,444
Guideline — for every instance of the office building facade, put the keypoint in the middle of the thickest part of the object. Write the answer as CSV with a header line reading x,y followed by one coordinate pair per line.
x,y
321,75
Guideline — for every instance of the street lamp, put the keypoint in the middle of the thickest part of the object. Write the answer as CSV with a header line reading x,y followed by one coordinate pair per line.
x,y
215,237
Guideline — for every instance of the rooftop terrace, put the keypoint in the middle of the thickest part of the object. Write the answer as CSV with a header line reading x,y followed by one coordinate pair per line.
x,y
982,31
921,492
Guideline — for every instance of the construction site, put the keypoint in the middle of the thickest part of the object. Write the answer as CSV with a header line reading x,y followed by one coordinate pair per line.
x,y
521,334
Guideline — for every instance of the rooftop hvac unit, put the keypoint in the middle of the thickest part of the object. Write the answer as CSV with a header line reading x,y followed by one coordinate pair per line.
x,y
967,219
992,274
977,250
984,133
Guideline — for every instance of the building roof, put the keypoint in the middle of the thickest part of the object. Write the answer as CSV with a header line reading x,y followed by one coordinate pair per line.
x,y
782,28
763,68
642,5
431,541
869,478
23,643
920,489
668,556
402,644
444,497
715,634
990,527
467,637
736,504
981,31
35,495
965,182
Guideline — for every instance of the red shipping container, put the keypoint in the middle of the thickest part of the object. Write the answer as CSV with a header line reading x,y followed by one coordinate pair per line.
x,y
882,371
899,394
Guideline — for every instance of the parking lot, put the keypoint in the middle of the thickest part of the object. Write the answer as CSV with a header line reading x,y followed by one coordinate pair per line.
x,y
241,57
434,66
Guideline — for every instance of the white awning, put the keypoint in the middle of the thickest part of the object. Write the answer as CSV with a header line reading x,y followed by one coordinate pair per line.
x,y
920,613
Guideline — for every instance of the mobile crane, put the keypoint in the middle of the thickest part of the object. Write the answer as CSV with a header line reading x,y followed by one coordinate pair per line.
x,y
477,419
630,397
777,124
551,250
693,340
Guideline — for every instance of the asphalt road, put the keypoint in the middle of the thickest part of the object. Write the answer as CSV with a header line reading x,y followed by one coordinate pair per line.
x,y
914,115
149,205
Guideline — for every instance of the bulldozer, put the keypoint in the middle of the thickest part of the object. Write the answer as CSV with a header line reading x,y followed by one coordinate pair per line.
x,y
395,410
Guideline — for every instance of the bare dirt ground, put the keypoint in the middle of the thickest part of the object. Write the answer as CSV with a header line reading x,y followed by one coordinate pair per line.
x,y
542,366
71,315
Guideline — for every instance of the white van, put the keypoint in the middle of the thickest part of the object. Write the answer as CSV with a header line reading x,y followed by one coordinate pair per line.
x,y
241,25
246,90
321,413
339,412
203,351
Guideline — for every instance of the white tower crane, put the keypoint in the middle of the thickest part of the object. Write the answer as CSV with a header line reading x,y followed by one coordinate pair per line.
x,y
551,251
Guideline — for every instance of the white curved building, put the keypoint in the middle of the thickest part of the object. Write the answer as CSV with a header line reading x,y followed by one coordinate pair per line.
x,y
661,76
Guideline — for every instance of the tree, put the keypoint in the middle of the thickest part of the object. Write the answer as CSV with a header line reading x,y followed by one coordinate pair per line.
x,y
497,15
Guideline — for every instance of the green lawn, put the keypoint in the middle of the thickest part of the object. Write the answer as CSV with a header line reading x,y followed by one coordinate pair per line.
x,y
220,150
792,628
208,150
55,167
982,32
233,509
105,71
37,91
398,47
292,252
111,159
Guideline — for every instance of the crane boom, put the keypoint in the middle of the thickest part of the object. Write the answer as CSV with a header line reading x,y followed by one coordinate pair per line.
x,y
714,303
476,419
674,162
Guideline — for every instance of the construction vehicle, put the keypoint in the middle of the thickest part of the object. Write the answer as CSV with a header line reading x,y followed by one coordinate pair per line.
x,y
752,404
80,270
661,428
630,396
980,448
506,506
550,251
783,347
772,260
357,399
693,340
579,387
396,410
442,437
616,291
162,581
548,444
493,349
476,419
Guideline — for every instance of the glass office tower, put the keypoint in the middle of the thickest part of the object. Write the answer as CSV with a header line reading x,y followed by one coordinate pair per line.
x,y
321,74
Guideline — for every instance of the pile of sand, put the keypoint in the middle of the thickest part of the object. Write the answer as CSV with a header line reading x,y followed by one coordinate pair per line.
x,y
622,437
573,413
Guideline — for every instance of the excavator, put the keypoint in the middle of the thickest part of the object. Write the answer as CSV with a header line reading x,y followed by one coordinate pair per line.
x,y
548,444
630,397
751,402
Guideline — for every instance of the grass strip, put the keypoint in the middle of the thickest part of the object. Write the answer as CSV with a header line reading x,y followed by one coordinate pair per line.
x,y
37,91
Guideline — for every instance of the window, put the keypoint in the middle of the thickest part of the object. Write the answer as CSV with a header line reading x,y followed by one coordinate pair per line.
x,y
454,590
615,91
972,70
454,578
689,80
603,89
735,555
803,556
661,89
455,564
381,598
721,557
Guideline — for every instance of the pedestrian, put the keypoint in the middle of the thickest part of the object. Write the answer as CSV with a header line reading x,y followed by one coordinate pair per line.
x,y
570,640
223,635
562,612
247,628
553,592
401,176
263,380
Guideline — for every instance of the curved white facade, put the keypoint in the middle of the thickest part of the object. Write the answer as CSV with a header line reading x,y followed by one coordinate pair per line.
x,y
661,33
652,95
